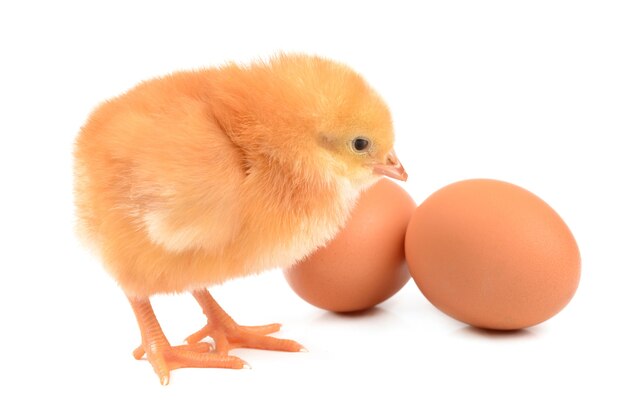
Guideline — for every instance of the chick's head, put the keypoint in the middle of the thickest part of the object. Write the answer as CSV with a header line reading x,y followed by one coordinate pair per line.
x,y
317,114
355,130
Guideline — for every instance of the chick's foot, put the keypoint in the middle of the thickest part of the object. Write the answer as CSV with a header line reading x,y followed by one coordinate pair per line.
x,y
164,357
227,334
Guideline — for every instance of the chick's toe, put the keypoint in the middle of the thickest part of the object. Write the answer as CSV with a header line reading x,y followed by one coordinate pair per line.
x,y
165,357
227,334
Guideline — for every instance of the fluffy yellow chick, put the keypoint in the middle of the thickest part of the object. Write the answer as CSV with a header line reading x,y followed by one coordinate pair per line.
x,y
191,179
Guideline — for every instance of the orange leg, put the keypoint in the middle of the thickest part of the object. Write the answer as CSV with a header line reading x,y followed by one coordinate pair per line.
x,y
228,335
165,357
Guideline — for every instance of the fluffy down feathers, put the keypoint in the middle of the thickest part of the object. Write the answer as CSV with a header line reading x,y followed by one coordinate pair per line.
x,y
197,177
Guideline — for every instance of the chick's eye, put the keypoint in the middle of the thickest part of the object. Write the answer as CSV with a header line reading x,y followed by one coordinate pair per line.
x,y
360,144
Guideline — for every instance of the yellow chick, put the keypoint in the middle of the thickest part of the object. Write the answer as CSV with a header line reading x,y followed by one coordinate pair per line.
x,y
197,177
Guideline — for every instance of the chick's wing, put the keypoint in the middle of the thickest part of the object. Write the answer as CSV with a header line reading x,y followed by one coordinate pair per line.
x,y
183,175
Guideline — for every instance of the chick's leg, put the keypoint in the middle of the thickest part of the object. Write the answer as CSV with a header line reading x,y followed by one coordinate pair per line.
x,y
165,357
227,334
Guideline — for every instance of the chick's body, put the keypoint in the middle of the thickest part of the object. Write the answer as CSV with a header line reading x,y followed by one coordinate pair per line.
x,y
172,203
197,177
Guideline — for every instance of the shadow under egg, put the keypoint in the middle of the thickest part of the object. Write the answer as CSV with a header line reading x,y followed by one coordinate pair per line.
x,y
374,313
512,334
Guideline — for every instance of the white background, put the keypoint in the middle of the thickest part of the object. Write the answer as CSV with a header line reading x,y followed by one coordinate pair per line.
x,y
530,92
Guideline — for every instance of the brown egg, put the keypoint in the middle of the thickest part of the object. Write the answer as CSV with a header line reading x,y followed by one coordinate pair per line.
x,y
364,265
492,255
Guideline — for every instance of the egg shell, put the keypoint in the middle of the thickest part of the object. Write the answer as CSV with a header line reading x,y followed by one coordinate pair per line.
x,y
492,255
364,264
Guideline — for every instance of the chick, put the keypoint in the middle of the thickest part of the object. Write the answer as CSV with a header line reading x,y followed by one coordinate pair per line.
x,y
198,177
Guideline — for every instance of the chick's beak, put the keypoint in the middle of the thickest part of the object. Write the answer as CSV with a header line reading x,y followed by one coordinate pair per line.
x,y
392,167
